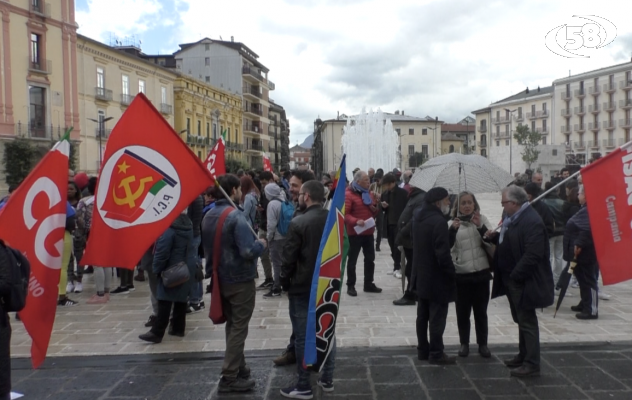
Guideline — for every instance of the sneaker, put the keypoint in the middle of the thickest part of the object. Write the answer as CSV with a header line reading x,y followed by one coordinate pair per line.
x,y
195,307
397,274
131,288
151,321
120,290
96,299
273,293
78,287
66,302
235,385
70,287
372,289
287,358
604,296
327,386
266,285
296,393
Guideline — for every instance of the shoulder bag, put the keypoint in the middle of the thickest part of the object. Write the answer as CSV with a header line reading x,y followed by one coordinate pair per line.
x,y
216,313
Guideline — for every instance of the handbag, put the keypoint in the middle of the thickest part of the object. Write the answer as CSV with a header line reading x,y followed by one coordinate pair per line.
x,y
216,313
175,275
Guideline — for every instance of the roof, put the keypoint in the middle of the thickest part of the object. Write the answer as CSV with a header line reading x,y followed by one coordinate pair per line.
x,y
391,116
482,110
458,128
451,137
300,149
527,93
595,73
240,47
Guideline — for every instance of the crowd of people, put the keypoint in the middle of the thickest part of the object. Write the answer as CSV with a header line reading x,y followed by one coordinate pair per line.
x,y
449,250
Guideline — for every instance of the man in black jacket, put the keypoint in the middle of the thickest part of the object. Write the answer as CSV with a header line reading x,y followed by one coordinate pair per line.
x,y
436,284
394,201
556,207
299,257
523,273
405,239
533,191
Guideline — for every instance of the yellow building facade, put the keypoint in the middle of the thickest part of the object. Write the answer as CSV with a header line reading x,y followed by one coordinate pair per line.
x,y
202,112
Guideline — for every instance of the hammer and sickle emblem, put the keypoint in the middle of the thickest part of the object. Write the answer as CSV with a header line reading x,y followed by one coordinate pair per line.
x,y
130,197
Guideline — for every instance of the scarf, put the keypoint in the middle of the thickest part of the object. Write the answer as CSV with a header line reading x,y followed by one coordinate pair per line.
x,y
510,220
366,196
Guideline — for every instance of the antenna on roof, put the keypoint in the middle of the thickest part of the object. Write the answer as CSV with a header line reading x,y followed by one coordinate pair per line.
x,y
220,38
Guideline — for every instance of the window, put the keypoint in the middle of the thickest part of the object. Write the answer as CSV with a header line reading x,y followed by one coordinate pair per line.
x,y
228,134
207,47
199,154
506,142
554,152
35,49
208,80
533,110
125,82
544,107
520,112
497,143
532,126
543,125
507,130
543,139
497,115
411,150
214,130
163,95
199,128
207,61
399,131
141,86
451,149
100,117
37,111
424,150
100,78
411,131
484,152
188,125
208,130
424,131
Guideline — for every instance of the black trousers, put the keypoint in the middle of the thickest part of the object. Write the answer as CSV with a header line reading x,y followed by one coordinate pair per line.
x,y
472,296
527,320
178,322
410,286
587,276
127,277
364,243
391,233
379,225
431,318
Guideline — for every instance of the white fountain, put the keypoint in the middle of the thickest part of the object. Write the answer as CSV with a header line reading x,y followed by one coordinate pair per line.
x,y
370,141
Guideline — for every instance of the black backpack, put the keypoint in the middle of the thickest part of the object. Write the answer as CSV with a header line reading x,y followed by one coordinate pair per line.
x,y
20,271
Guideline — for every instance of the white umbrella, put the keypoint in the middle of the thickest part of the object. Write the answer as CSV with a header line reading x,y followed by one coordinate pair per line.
x,y
456,172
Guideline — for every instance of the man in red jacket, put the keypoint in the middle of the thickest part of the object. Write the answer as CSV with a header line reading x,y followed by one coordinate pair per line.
x,y
360,207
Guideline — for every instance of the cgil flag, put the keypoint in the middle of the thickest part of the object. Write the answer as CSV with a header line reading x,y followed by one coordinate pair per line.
x,y
149,176
608,189
33,222
327,280
216,161
267,165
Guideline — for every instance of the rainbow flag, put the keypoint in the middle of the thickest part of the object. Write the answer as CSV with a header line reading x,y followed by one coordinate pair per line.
x,y
330,270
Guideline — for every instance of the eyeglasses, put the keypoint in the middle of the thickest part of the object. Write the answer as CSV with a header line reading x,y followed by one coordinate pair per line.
x,y
301,194
508,201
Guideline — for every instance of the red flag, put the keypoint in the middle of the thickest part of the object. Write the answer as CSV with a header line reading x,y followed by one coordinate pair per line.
x,y
149,176
608,189
33,221
267,166
216,162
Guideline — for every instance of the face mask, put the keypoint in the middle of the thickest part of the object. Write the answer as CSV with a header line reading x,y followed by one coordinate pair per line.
x,y
445,209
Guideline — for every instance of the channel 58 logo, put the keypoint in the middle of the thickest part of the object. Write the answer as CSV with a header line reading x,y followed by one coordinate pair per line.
x,y
595,33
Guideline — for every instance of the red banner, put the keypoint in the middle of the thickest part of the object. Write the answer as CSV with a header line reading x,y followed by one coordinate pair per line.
x,y
216,161
608,189
267,165
33,221
149,176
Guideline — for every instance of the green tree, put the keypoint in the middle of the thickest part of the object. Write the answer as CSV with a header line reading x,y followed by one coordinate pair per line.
x,y
234,164
530,141
18,160
417,159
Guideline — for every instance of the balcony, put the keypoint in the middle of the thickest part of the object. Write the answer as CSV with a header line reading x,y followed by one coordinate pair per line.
x,y
482,128
580,110
41,66
253,127
538,114
565,96
594,90
501,120
234,146
566,112
251,71
580,93
593,108
271,85
609,143
40,7
565,129
252,145
625,85
579,145
543,130
593,126
593,144
609,125
624,123
253,109
126,99
610,88
609,106
520,117
625,104
106,133
102,94
482,144
252,91
166,108
580,127
38,131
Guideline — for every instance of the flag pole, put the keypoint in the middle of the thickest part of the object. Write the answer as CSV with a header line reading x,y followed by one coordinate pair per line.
x,y
232,203
540,197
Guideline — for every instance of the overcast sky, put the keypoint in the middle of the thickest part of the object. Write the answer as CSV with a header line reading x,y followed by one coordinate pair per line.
x,y
439,58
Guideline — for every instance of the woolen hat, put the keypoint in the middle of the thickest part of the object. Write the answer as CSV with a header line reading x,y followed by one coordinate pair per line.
x,y
81,179
436,194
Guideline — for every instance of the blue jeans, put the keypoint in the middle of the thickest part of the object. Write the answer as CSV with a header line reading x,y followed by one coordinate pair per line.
x,y
197,291
298,316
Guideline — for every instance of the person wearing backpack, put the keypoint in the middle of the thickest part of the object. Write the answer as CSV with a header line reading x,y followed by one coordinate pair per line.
x,y
278,222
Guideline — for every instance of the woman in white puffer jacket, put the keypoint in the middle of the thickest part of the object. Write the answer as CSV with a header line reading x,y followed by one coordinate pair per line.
x,y
473,273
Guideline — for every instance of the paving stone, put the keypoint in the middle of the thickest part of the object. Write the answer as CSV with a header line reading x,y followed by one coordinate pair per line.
x,y
197,375
603,355
591,379
354,387
390,392
39,388
402,375
454,394
443,377
566,360
548,378
388,361
611,395
620,369
144,385
557,393
485,371
501,387
199,391
77,395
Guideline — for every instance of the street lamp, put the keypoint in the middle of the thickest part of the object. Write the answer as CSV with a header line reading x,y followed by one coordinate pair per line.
x,y
101,125
434,133
434,146
510,138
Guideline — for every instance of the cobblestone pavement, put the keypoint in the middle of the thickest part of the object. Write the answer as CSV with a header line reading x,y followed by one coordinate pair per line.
x,y
369,320
599,372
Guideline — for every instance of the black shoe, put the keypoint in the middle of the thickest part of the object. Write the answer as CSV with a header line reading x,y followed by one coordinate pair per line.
x,y
464,351
151,321
150,337
443,359
514,362
120,290
525,371
235,385
273,293
372,289
577,308
244,373
351,291
422,355
583,315
483,350
377,247
174,333
140,277
404,301
88,270
286,358
266,285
